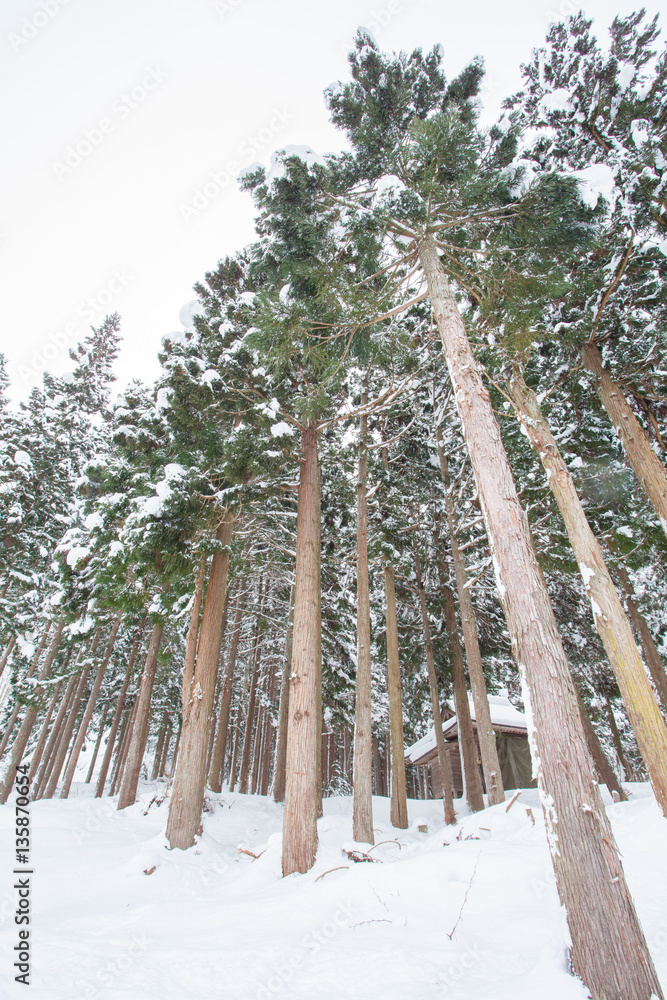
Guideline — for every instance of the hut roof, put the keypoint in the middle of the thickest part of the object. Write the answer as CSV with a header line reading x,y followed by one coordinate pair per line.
x,y
505,718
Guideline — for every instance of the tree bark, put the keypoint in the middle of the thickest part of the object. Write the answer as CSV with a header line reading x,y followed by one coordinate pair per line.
x,y
628,772
443,756
165,751
111,739
136,746
39,749
362,774
39,784
6,654
609,951
90,708
215,773
611,622
474,793
157,759
399,802
98,744
302,795
651,653
252,701
32,712
488,749
11,722
193,633
124,740
187,797
283,711
602,765
647,467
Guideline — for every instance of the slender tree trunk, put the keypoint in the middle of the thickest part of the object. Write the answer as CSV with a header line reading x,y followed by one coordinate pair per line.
x,y
362,775
187,797
443,756
165,751
628,772
250,717
611,622
474,793
283,712
302,796
121,751
98,744
68,729
651,653
488,749
90,708
32,712
215,773
7,653
44,771
609,951
157,760
39,749
647,467
602,765
235,754
11,722
138,736
399,802
193,633
174,759
111,739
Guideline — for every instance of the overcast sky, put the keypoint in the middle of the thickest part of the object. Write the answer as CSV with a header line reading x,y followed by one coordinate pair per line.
x,y
125,122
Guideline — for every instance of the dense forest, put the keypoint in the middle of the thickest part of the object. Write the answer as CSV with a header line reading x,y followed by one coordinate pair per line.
x,y
410,444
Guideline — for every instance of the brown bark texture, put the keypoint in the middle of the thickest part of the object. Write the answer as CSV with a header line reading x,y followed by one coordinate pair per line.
x,y
215,771
187,797
362,775
283,712
488,749
474,792
136,744
609,951
647,467
611,621
115,722
399,802
653,658
302,794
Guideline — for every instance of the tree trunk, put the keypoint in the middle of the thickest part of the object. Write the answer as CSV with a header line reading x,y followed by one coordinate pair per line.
x,y
121,751
215,773
302,796
443,756
41,742
628,772
187,797
68,730
651,653
602,765
157,759
611,622
193,633
252,701
283,711
474,793
6,654
399,802
11,722
609,951
90,708
98,744
235,754
138,736
165,751
111,739
174,759
44,771
362,775
488,749
32,712
647,467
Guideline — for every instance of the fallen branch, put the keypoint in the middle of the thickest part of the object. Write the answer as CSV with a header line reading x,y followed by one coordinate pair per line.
x,y
465,899
360,856
337,869
513,800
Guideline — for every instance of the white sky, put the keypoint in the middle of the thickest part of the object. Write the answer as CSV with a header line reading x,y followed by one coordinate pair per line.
x,y
219,82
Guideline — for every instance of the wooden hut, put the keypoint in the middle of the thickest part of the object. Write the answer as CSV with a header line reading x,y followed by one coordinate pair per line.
x,y
510,727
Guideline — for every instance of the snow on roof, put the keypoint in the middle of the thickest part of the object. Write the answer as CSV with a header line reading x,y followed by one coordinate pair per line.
x,y
503,713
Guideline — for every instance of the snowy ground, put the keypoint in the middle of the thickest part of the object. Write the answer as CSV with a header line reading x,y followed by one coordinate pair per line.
x,y
460,912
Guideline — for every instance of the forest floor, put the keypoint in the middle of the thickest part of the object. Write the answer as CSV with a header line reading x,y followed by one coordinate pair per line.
x,y
468,911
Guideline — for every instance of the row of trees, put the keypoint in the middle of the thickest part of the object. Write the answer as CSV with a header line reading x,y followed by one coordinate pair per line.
x,y
342,455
